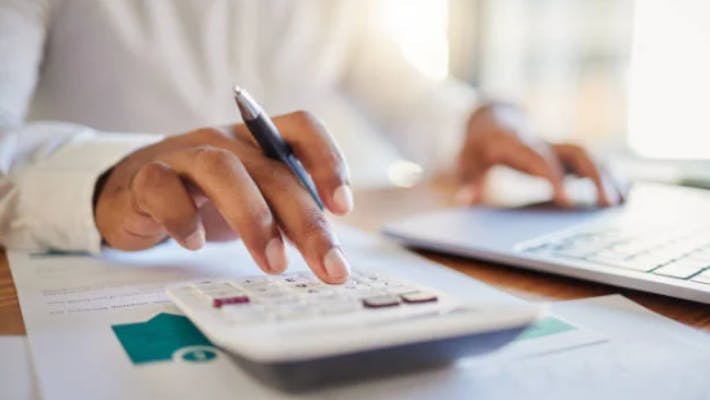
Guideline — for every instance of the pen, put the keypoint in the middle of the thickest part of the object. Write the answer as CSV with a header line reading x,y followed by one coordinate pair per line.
x,y
270,140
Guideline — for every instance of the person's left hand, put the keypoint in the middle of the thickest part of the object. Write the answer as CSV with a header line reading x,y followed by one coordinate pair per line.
x,y
500,135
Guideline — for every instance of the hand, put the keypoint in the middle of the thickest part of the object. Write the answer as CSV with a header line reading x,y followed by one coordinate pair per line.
x,y
499,134
212,182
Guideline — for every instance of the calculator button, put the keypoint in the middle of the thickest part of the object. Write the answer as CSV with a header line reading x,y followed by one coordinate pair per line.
x,y
297,277
225,292
320,300
339,308
211,286
253,280
304,285
262,291
367,293
221,301
418,297
399,289
245,313
186,291
380,301
279,300
293,312
253,283
318,291
349,286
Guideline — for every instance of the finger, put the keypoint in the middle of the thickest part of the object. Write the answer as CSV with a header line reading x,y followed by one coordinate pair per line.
x,y
579,161
218,230
528,160
472,171
321,157
221,176
125,227
302,221
471,192
158,191
618,184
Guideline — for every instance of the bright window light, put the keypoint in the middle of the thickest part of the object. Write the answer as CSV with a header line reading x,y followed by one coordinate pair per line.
x,y
419,28
669,97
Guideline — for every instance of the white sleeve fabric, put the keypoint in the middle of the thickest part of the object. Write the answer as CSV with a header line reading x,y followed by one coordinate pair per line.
x,y
426,118
47,169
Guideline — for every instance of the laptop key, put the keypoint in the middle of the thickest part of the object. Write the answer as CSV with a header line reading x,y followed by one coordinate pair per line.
x,y
679,269
573,252
640,263
703,277
608,257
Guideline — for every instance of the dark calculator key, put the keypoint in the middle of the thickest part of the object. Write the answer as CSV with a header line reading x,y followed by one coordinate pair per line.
x,y
418,297
380,301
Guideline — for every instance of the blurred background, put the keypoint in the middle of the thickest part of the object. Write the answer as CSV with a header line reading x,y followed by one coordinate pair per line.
x,y
621,74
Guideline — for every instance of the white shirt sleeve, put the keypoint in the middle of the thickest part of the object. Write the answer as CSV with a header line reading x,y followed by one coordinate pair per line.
x,y
47,169
426,118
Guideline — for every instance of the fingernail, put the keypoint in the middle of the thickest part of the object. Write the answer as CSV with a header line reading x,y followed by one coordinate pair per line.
x,y
276,255
196,239
343,198
335,264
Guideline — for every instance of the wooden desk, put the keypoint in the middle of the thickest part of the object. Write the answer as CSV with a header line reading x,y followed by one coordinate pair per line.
x,y
376,207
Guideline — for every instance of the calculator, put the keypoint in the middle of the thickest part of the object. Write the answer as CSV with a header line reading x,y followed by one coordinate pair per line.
x,y
294,331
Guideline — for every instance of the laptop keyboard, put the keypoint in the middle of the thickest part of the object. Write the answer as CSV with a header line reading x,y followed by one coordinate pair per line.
x,y
681,253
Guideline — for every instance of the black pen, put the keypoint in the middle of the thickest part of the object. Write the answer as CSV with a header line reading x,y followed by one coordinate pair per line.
x,y
270,140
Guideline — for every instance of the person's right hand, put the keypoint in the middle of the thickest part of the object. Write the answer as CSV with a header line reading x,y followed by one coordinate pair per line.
x,y
172,188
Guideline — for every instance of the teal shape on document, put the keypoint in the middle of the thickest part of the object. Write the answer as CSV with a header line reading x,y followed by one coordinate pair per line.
x,y
545,327
199,355
159,337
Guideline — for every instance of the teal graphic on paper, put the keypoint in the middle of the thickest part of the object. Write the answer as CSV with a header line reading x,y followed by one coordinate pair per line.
x,y
545,327
199,355
161,336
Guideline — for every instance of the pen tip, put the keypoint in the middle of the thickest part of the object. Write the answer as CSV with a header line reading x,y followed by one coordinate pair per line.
x,y
247,106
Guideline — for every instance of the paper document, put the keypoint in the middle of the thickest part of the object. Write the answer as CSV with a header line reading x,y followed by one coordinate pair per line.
x,y
17,381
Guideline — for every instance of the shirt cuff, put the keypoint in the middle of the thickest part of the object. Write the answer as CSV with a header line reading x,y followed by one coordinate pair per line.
x,y
54,196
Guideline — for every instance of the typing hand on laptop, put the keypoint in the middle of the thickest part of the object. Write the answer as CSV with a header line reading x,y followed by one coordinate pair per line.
x,y
658,241
499,134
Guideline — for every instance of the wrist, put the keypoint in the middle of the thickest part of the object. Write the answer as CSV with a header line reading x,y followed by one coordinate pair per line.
x,y
99,186
498,117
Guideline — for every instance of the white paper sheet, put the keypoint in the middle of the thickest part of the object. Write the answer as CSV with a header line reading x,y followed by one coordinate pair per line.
x,y
17,380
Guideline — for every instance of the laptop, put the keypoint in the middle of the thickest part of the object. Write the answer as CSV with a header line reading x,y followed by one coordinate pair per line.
x,y
657,242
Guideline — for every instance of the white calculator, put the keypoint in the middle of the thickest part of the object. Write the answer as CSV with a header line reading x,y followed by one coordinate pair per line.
x,y
295,332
